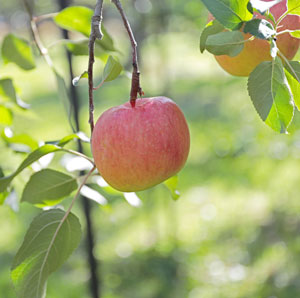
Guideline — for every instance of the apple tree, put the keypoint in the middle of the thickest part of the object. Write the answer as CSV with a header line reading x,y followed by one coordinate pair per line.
x,y
257,39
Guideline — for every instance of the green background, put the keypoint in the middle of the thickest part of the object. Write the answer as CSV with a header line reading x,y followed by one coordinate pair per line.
x,y
234,232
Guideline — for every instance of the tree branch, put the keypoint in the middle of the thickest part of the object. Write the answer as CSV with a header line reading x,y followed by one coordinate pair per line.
x,y
135,80
93,263
95,34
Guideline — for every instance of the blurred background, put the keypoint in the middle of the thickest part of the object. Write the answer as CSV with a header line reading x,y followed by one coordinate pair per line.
x,y
233,233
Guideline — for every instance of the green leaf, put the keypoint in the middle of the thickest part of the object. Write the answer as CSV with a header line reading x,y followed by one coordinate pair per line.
x,y
111,70
81,48
64,96
74,136
295,71
31,158
48,243
293,7
37,154
271,94
78,18
295,33
269,16
229,43
76,80
262,6
230,13
5,116
250,7
7,91
171,185
18,51
293,77
25,140
260,28
295,88
3,195
211,28
75,18
106,42
47,187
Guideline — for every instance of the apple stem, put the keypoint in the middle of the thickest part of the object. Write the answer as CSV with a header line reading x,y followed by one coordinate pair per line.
x,y
95,34
135,79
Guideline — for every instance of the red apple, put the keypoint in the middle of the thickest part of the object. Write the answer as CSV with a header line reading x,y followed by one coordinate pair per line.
x,y
258,50
135,148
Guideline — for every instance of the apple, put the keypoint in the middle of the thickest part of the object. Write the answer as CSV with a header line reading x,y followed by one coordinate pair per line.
x,y
258,50
135,148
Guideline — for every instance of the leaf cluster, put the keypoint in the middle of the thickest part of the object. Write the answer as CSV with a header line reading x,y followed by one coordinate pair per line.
x,y
273,85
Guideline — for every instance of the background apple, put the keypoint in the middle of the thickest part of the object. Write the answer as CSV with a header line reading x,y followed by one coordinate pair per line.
x,y
258,50
136,148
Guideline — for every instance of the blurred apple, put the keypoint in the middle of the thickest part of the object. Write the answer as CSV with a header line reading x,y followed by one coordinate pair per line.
x,y
258,50
135,148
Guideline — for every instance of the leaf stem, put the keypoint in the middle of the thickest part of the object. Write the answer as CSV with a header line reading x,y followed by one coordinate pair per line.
x,y
65,41
78,191
98,86
135,80
281,18
95,34
79,154
44,17
285,31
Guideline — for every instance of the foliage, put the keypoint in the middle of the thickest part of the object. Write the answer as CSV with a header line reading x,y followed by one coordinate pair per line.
x,y
38,256
273,99
234,232
49,241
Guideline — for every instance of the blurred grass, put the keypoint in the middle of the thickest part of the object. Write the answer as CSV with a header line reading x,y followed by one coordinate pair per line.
x,y
235,230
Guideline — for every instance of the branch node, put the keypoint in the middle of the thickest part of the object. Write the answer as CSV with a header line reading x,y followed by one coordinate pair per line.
x,y
96,33
96,26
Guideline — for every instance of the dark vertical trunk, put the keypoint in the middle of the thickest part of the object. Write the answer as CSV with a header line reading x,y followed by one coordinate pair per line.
x,y
74,101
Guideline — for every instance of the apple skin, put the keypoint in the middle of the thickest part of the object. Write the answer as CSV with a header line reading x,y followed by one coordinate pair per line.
x,y
258,50
135,148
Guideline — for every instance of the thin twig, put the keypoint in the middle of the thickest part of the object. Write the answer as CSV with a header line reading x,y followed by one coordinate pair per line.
x,y
135,81
42,49
95,34
36,36
78,154
44,17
